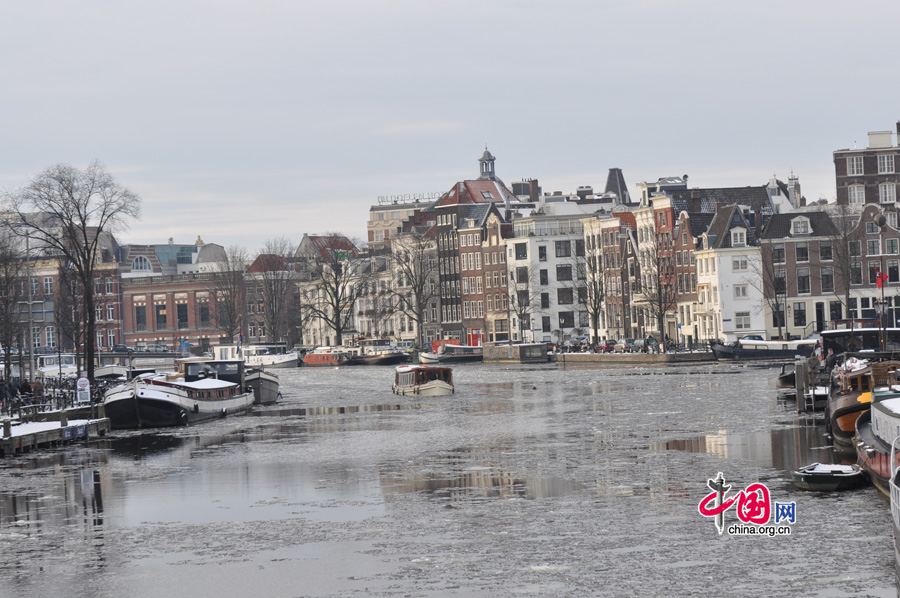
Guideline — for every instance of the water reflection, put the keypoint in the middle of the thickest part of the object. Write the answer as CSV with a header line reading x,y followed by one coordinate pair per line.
x,y
471,473
783,448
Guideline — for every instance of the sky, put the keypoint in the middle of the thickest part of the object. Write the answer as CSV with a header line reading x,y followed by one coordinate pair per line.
x,y
244,121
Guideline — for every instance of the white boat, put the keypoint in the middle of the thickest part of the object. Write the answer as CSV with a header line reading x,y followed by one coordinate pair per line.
x,y
894,486
423,381
198,391
265,386
271,356
55,365
453,354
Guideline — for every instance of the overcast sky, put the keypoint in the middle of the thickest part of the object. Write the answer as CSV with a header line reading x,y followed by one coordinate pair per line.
x,y
246,120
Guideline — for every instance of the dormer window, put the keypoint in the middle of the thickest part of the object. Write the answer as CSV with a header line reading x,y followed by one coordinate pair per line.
x,y
739,237
141,264
800,226
487,195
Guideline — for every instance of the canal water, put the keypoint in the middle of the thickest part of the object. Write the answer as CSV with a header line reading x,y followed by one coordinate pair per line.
x,y
529,480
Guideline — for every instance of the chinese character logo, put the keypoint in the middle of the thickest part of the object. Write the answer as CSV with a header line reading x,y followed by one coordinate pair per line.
x,y
751,504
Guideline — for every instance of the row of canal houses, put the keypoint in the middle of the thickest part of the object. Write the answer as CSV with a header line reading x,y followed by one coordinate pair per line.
x,y
687,263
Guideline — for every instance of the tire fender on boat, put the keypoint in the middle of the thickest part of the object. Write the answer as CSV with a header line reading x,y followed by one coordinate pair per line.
x,y
183,417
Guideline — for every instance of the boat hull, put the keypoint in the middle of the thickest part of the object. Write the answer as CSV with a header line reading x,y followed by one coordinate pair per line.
x,y
873,454
723,353
385,359
435,388
432,358
843,411
136,406
266,387
283,360
817,478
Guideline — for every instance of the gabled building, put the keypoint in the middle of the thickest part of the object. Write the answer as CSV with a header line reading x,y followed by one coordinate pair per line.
x,y
869,175
728,265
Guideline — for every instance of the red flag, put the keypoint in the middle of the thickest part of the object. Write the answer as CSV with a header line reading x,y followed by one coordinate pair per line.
x,y
880,277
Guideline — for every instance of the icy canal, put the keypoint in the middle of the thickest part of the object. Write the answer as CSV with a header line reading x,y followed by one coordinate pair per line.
x,y
527,481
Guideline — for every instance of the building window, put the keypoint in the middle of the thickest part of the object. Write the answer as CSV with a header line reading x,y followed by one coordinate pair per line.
x,y
800,314
521,251
48,285
740,291
36,336
50,333
563,273
563,249
856,195
803,281
545,323
542,253
802,252
182,313
856,273
109,286
887,192
800,226
873,247
780,283
140,317
738,264
742,320
160,317
204,313
141,263
825,253
827,280
564,296
545,300
854,165
777,253
567,319
110,311
886,164
522,275
893,271
874,269
110,338
738,238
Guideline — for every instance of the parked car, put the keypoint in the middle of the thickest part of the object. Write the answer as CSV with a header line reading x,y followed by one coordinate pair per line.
x,y
624,345
646,345
606,346
576,344
120,349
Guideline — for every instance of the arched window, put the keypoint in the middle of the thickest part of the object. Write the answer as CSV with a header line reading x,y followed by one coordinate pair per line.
x,y
141,263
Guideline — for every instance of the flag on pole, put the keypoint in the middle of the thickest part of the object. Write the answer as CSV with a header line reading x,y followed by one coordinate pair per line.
x,y
880,277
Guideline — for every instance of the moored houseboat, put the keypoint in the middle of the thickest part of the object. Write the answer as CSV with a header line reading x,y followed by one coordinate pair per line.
x,y
327,357
198,391
449,353
851,391
745,349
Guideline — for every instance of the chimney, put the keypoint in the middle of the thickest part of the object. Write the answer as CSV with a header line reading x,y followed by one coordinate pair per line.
x,y
695,202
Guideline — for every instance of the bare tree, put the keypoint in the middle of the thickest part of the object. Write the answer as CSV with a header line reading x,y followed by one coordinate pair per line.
x,y
595,298
67,309
227,289
657,273
276,285
769,274
342,278
524,296
415,285
66,210
12,279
